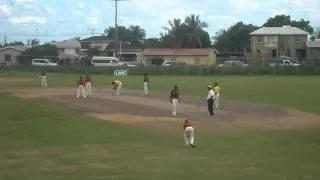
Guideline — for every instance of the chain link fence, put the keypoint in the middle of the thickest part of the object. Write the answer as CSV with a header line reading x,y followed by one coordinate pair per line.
x,y
239,66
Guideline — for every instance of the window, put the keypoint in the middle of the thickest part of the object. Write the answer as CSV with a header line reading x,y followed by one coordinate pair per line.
x,y
299,38
7,57
260,39
271,39
113,61
197,60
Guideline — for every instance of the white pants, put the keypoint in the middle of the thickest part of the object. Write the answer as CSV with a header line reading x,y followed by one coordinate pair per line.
x,y
81,92
117,90
146,88
88,88
44,81
216,101
174,106
189,136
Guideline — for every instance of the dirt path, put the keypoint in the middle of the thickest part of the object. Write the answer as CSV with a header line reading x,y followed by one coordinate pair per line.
x,y
133,108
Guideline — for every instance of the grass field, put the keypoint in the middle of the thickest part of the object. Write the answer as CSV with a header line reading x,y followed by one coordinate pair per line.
x,y
40,141
299,92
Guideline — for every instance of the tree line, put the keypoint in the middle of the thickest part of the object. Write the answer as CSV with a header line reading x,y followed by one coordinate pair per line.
x,y
191,33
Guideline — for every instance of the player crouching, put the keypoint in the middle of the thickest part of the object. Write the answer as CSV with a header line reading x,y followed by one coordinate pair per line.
x,y
116,86
188,133
81,88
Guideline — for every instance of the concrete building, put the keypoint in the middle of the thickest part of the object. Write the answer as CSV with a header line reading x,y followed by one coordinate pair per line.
x,y
68,49
313,49
9,55
273,42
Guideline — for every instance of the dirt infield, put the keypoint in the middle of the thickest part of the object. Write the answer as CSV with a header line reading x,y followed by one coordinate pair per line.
x,y
153,112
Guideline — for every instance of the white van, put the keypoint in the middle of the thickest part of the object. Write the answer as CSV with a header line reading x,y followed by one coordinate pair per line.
x,y
105,61
43,62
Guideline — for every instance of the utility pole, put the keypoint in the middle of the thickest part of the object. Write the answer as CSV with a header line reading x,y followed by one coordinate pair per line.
x,y
116,28
5,40
92,30
46,35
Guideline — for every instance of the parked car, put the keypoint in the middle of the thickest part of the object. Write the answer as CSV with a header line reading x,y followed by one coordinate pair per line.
x,y
285,62
172,63
233,63
105,61
129,65
43,62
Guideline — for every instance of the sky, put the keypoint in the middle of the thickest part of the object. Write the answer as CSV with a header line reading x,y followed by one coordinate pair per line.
x,y
65,19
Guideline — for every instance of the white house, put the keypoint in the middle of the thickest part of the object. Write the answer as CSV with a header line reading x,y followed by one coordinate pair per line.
x,y
68,49
9,55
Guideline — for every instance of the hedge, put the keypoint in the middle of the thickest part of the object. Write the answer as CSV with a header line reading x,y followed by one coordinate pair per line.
x,y
179,71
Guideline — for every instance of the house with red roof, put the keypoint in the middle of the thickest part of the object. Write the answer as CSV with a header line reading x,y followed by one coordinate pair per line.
x,y
197,56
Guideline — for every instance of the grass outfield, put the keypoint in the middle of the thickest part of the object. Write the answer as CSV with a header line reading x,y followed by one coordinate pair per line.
x,y
41,141
299,92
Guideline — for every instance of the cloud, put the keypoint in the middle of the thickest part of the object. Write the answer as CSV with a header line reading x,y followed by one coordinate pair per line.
x,y
49,10
28,20
27,4
245,5
77,8
94,17
279,12
5,10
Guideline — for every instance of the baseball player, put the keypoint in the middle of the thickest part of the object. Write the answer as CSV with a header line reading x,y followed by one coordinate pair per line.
x,y
210,100
88,81
43,78
188,133
217,90
146,83
116,87
174,99
81,88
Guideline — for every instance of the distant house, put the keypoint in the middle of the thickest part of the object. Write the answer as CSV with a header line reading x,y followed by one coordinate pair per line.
x,y
313,49
100,42
200,56
126,52
272,42
68,49
9,55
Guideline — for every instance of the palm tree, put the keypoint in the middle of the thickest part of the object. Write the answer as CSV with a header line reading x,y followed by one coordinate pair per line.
x,y
196,27
173,31
137,35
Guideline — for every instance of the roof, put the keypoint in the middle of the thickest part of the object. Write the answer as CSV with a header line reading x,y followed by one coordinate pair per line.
x,y
175,52
313,44
70,43
284,30
96,38
18,48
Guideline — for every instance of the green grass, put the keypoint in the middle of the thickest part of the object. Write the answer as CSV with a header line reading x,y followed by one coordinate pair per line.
x,y
41,141
299,92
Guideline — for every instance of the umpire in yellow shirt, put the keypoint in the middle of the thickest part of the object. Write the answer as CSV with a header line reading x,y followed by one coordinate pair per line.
x,y
217,91
116,86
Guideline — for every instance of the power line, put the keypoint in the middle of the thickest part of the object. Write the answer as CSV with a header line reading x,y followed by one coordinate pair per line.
x,y
44,35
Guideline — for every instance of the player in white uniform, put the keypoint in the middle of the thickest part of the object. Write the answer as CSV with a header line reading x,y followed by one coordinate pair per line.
x,y
210,100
